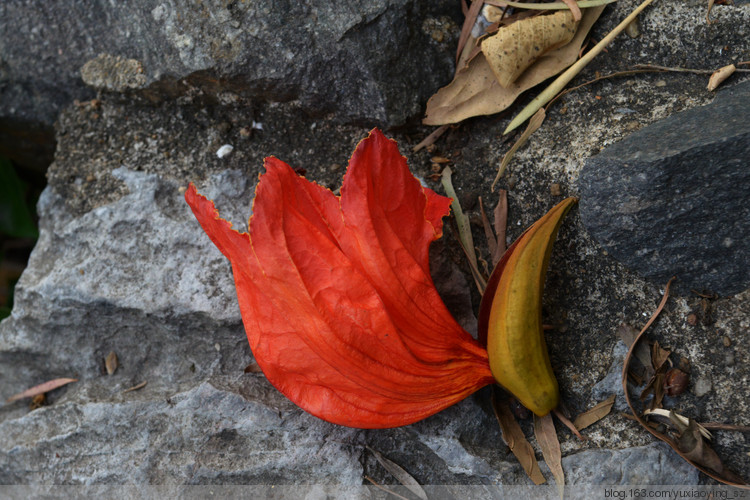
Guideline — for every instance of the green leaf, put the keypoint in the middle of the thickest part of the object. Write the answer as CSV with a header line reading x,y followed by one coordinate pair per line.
x,y
15,217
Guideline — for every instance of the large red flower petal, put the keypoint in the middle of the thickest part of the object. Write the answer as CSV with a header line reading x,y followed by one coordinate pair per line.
x,y
336,295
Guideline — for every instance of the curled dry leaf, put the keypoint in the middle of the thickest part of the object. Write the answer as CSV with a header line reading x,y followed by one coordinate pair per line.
x,y
720,75
561,81
676,420
592,416
111,363
41,389
517,46
475,91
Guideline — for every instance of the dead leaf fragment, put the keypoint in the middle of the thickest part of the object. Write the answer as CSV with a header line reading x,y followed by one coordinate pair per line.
x,y
399,473
690,441
720,75
475,91
41,389
594,414
111,363
253,368
546,436
517,46
501,223
37,402
516,441
135,387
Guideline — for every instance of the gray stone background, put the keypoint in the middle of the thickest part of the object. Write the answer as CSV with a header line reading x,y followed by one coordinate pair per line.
x,y
121,265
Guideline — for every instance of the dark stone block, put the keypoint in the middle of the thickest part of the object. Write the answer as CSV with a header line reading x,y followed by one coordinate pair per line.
x,y
672,198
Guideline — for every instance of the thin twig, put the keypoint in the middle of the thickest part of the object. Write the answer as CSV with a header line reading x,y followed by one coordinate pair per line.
x,y
681,70
717,426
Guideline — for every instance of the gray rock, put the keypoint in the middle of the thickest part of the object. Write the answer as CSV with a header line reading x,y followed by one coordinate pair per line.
x,y
671,199
122,266
364,60
612,382
652,464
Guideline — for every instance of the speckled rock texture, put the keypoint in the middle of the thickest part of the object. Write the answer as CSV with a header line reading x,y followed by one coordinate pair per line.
x,y
121,265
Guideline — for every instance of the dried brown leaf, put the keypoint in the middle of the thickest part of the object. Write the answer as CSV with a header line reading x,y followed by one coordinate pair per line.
x,y
694,446
501,223
430,139
471,18
474,91
566,421
41,389
517,46
110,363
516,441
399,473
720,75
593,415
659,355
135,387
628,334
546,436
488,234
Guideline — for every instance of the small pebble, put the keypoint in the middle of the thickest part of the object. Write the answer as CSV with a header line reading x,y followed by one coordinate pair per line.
x,y
224,150
727,341
555,189
702,386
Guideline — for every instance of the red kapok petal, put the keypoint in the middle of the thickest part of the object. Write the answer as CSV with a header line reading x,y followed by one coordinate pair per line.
x,y
336,296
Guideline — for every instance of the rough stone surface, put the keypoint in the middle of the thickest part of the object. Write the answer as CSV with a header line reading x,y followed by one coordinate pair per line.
x,y
122,266
363,60
671,199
